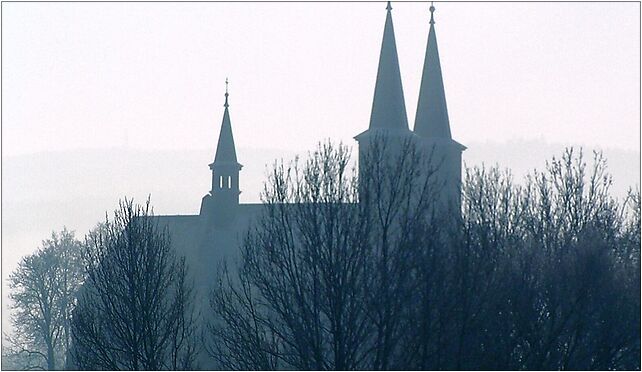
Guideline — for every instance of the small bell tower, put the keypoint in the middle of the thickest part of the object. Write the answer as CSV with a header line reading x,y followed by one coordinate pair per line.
x,y
223,198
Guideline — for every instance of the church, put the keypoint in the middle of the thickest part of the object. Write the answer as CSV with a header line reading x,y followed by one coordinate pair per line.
x,y
216,232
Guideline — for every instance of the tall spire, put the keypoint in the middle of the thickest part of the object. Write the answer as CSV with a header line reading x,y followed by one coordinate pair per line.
x,y
432,113
225,150
388,106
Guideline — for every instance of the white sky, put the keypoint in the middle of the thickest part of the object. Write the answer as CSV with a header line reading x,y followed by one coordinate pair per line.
x,y
96,75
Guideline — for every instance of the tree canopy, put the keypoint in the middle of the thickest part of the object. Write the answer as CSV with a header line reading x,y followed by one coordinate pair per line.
x,y
539,275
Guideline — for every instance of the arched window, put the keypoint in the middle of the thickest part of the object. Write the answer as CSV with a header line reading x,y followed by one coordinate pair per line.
x,y
229,182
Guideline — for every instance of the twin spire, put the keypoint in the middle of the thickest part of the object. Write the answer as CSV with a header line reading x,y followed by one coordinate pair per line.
x,y
432,113
389,109
389,106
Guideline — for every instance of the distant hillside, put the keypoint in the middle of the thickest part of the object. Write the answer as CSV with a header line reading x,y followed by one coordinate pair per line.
x,y
521,157
44,192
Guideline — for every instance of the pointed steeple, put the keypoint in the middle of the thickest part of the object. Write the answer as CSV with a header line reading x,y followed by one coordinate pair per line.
x,y
388,106
218,207
431,120
225,150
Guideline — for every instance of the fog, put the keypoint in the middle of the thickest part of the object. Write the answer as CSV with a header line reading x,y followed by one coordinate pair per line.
x,y
106,100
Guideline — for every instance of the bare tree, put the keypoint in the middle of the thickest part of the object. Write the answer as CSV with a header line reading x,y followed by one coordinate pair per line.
x,y
548,272
297,301
135,309
19,359
583,299
43,290
335,275
398,200
326,270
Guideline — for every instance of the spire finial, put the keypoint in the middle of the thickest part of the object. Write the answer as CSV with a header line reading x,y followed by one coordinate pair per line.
x,y
388,7
432,13
226,94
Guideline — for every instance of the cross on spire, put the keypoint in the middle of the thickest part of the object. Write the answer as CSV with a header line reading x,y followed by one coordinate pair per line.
x,y
432,13
225,151
226,94
431,120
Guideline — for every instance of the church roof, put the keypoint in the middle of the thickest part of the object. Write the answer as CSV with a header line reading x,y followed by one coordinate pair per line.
x,y
388,106
432,113
225,150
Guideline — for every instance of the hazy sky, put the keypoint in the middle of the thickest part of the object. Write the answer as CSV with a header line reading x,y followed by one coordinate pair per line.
x,y
95,75
151,76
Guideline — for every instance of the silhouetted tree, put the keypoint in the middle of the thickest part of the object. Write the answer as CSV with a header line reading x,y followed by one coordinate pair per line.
x,y
583,309
43,289
335,275
326,270
399,201
135,309
539,276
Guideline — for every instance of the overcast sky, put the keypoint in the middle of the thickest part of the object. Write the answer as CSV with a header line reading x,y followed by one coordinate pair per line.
x,y
151,75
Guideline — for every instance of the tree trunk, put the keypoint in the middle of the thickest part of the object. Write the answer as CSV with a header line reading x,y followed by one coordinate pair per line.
x,y
51,359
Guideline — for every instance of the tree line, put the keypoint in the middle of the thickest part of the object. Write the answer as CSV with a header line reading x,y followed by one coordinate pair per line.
x,y
119,300
357,270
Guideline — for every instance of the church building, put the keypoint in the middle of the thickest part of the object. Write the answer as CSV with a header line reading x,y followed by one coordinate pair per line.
x,y
217,231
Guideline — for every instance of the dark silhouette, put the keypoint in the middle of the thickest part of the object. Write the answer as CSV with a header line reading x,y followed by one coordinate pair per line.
x,y
135,310
539,276
326,270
